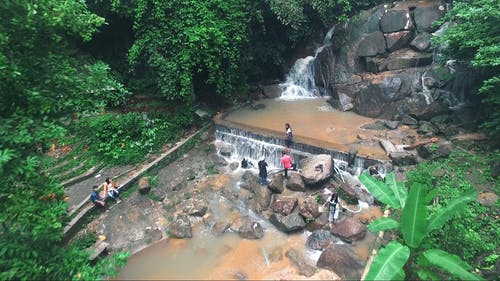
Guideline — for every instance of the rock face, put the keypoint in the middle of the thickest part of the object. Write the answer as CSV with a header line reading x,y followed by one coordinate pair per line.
x,y
320,239
290,223
380,64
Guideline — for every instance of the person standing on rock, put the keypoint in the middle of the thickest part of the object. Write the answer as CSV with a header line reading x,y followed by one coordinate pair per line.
x,y
334,204
286,160
111,191
262,170
289,135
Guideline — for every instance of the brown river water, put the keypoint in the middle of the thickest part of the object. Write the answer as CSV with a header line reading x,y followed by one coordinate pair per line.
x,y
224,257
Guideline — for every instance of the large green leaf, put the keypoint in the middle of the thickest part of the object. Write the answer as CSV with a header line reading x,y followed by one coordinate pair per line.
x,y
425,274
389,262
397,188
380,190
450,263
383,224
452,208
414,216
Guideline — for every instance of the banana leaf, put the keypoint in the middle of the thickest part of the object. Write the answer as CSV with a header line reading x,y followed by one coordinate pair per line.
x,y
425,274
451,264
389,262
452,208
383,224
397,188
380,190
414,216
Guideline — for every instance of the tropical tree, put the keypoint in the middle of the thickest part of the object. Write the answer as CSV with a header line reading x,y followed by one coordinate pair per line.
x,y
474,35
415,225
43,82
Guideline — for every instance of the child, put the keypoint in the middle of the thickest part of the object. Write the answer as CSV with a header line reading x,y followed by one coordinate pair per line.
x,y
111,191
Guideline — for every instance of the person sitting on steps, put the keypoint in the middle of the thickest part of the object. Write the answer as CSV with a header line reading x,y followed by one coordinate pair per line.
x,y
111,191
96,198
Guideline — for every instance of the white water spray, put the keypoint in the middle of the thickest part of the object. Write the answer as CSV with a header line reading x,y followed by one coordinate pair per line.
x,y
300,81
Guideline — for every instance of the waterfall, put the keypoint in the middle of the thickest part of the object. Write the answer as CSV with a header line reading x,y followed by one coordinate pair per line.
x,y
300,81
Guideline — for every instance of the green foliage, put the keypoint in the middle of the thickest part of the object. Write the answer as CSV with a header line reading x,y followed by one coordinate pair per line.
x,y
389,262
415,225
128,138
475,36
467,234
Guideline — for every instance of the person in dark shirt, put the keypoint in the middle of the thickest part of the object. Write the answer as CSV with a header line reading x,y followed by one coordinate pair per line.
x,y
96,198
262,171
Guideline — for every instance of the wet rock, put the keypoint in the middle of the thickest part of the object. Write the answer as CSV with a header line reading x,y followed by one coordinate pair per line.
x,y
372,44
144,185
341,260
421,42
251,230
348,193
234,165
352,183
398,40
290,223
408,120
391,124
395,20
181,227
320,239
295,182
195,207
261,198
316,169
284,205
302,263
272,91
309,208
277,183
349,230
427,128
249,180
226,149
403,158
220,228
424,16
377,125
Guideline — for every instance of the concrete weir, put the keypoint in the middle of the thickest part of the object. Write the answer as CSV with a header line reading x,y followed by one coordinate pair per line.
x,y
317,129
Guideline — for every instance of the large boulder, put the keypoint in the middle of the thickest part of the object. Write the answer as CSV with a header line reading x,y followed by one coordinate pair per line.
x,y
398,40
421,42
316,169
309,208
251,230
425,15
295,182
395,20
277,183
372,44
349,230
290,223
341,260
284,205
320,239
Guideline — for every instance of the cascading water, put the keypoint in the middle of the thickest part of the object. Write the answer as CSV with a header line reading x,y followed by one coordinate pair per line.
x,y
253,146
300,81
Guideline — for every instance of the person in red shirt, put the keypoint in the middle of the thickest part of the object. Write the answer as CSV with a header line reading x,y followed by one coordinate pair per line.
x,y
286,160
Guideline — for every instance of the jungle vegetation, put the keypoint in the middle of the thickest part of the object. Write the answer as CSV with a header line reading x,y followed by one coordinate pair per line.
x,y
69,71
